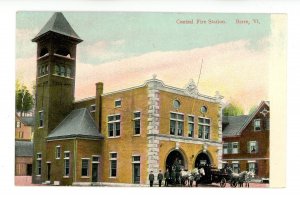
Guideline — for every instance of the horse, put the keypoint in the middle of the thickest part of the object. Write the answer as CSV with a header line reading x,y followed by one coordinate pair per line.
x,y
240,178
185,177
248,178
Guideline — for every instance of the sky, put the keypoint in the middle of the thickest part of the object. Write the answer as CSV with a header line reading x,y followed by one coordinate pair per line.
x,y
124,49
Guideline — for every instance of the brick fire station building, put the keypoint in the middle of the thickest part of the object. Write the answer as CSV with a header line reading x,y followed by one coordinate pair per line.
x,y
116,137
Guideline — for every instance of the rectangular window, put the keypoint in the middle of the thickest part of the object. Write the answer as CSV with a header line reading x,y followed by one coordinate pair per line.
x,y
113,164
18,124
204,128
67,163
85,167
267,123
114,125
41,118
225,148
93,108
251,167
136,159
235,147
191,126
257,125
176,124
95,159
39,163
58,152
236,167
137,123
252,147
118,103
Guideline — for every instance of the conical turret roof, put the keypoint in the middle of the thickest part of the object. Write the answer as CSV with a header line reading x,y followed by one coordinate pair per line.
x,y
58,24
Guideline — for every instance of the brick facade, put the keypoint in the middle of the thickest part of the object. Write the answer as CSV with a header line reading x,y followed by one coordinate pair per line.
x,y
247,134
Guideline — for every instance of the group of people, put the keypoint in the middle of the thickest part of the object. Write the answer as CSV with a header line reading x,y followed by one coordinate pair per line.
x,y
160,178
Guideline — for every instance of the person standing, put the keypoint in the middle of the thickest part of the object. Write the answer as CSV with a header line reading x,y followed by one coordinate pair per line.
x,y
160,178
167,177
151,178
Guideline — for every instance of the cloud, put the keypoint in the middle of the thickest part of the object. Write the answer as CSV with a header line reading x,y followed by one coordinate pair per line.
x,y
25,49
101,51
237,72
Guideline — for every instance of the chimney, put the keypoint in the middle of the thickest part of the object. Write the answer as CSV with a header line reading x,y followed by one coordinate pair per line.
x,y
99,92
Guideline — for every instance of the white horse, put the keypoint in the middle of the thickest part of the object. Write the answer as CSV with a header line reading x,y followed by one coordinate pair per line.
x,y
248,178
185,176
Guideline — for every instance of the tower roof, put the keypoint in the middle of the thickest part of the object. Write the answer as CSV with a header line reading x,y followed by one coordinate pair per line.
x,y
78,123
58,24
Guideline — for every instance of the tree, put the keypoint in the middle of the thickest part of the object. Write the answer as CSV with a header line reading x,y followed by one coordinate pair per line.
x,y
24,100
233,110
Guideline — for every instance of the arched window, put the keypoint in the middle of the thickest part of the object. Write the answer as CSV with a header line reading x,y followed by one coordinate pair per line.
x,y
62,71
57,70
63,52
43,52
68,72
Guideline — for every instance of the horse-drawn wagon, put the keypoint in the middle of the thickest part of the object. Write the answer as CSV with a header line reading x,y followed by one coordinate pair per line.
x,y
213,175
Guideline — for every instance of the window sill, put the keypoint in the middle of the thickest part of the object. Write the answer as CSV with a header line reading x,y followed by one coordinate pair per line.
x,y
114,137
42,76
112,177
62,76
85,177
41,127
57,158
66,176
137,135
38,175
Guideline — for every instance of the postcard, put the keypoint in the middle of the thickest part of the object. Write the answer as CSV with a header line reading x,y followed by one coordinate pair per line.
x,y
150,99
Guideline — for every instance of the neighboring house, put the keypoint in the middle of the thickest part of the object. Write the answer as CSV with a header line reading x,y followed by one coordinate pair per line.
x,y
23,157
246,141
24,128
116,137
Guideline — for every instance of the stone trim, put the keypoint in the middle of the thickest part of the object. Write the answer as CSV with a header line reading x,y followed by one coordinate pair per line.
x,y
262,158
153,128
188,90
185,139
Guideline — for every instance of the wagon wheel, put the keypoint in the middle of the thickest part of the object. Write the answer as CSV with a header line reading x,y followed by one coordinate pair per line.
x,y
223,182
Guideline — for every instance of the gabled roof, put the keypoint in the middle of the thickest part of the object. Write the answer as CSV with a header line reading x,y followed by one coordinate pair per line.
x,y
234,124
23,148
58,24
79,123
27,121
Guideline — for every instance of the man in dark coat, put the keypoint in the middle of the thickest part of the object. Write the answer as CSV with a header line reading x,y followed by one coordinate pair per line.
x,y
151,178
160,178
167,177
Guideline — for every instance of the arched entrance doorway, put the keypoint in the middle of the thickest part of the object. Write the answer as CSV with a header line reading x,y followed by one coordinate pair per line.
x,y
202,159
175,159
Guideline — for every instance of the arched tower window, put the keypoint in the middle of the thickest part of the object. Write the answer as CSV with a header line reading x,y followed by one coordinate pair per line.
x,y
63,52
68,72
44,52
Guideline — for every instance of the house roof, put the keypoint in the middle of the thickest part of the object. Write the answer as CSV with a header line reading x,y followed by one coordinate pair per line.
x,y
235,123
23,148
79,123
28,121
58,24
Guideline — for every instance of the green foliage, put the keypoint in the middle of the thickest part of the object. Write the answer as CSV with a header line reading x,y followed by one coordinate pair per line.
x,y
24,100
233,110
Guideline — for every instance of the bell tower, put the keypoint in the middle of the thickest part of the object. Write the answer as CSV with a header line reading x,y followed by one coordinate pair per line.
x,y
55,85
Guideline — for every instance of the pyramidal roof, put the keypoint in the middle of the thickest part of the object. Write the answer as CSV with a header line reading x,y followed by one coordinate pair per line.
x,y
58,24
79,123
